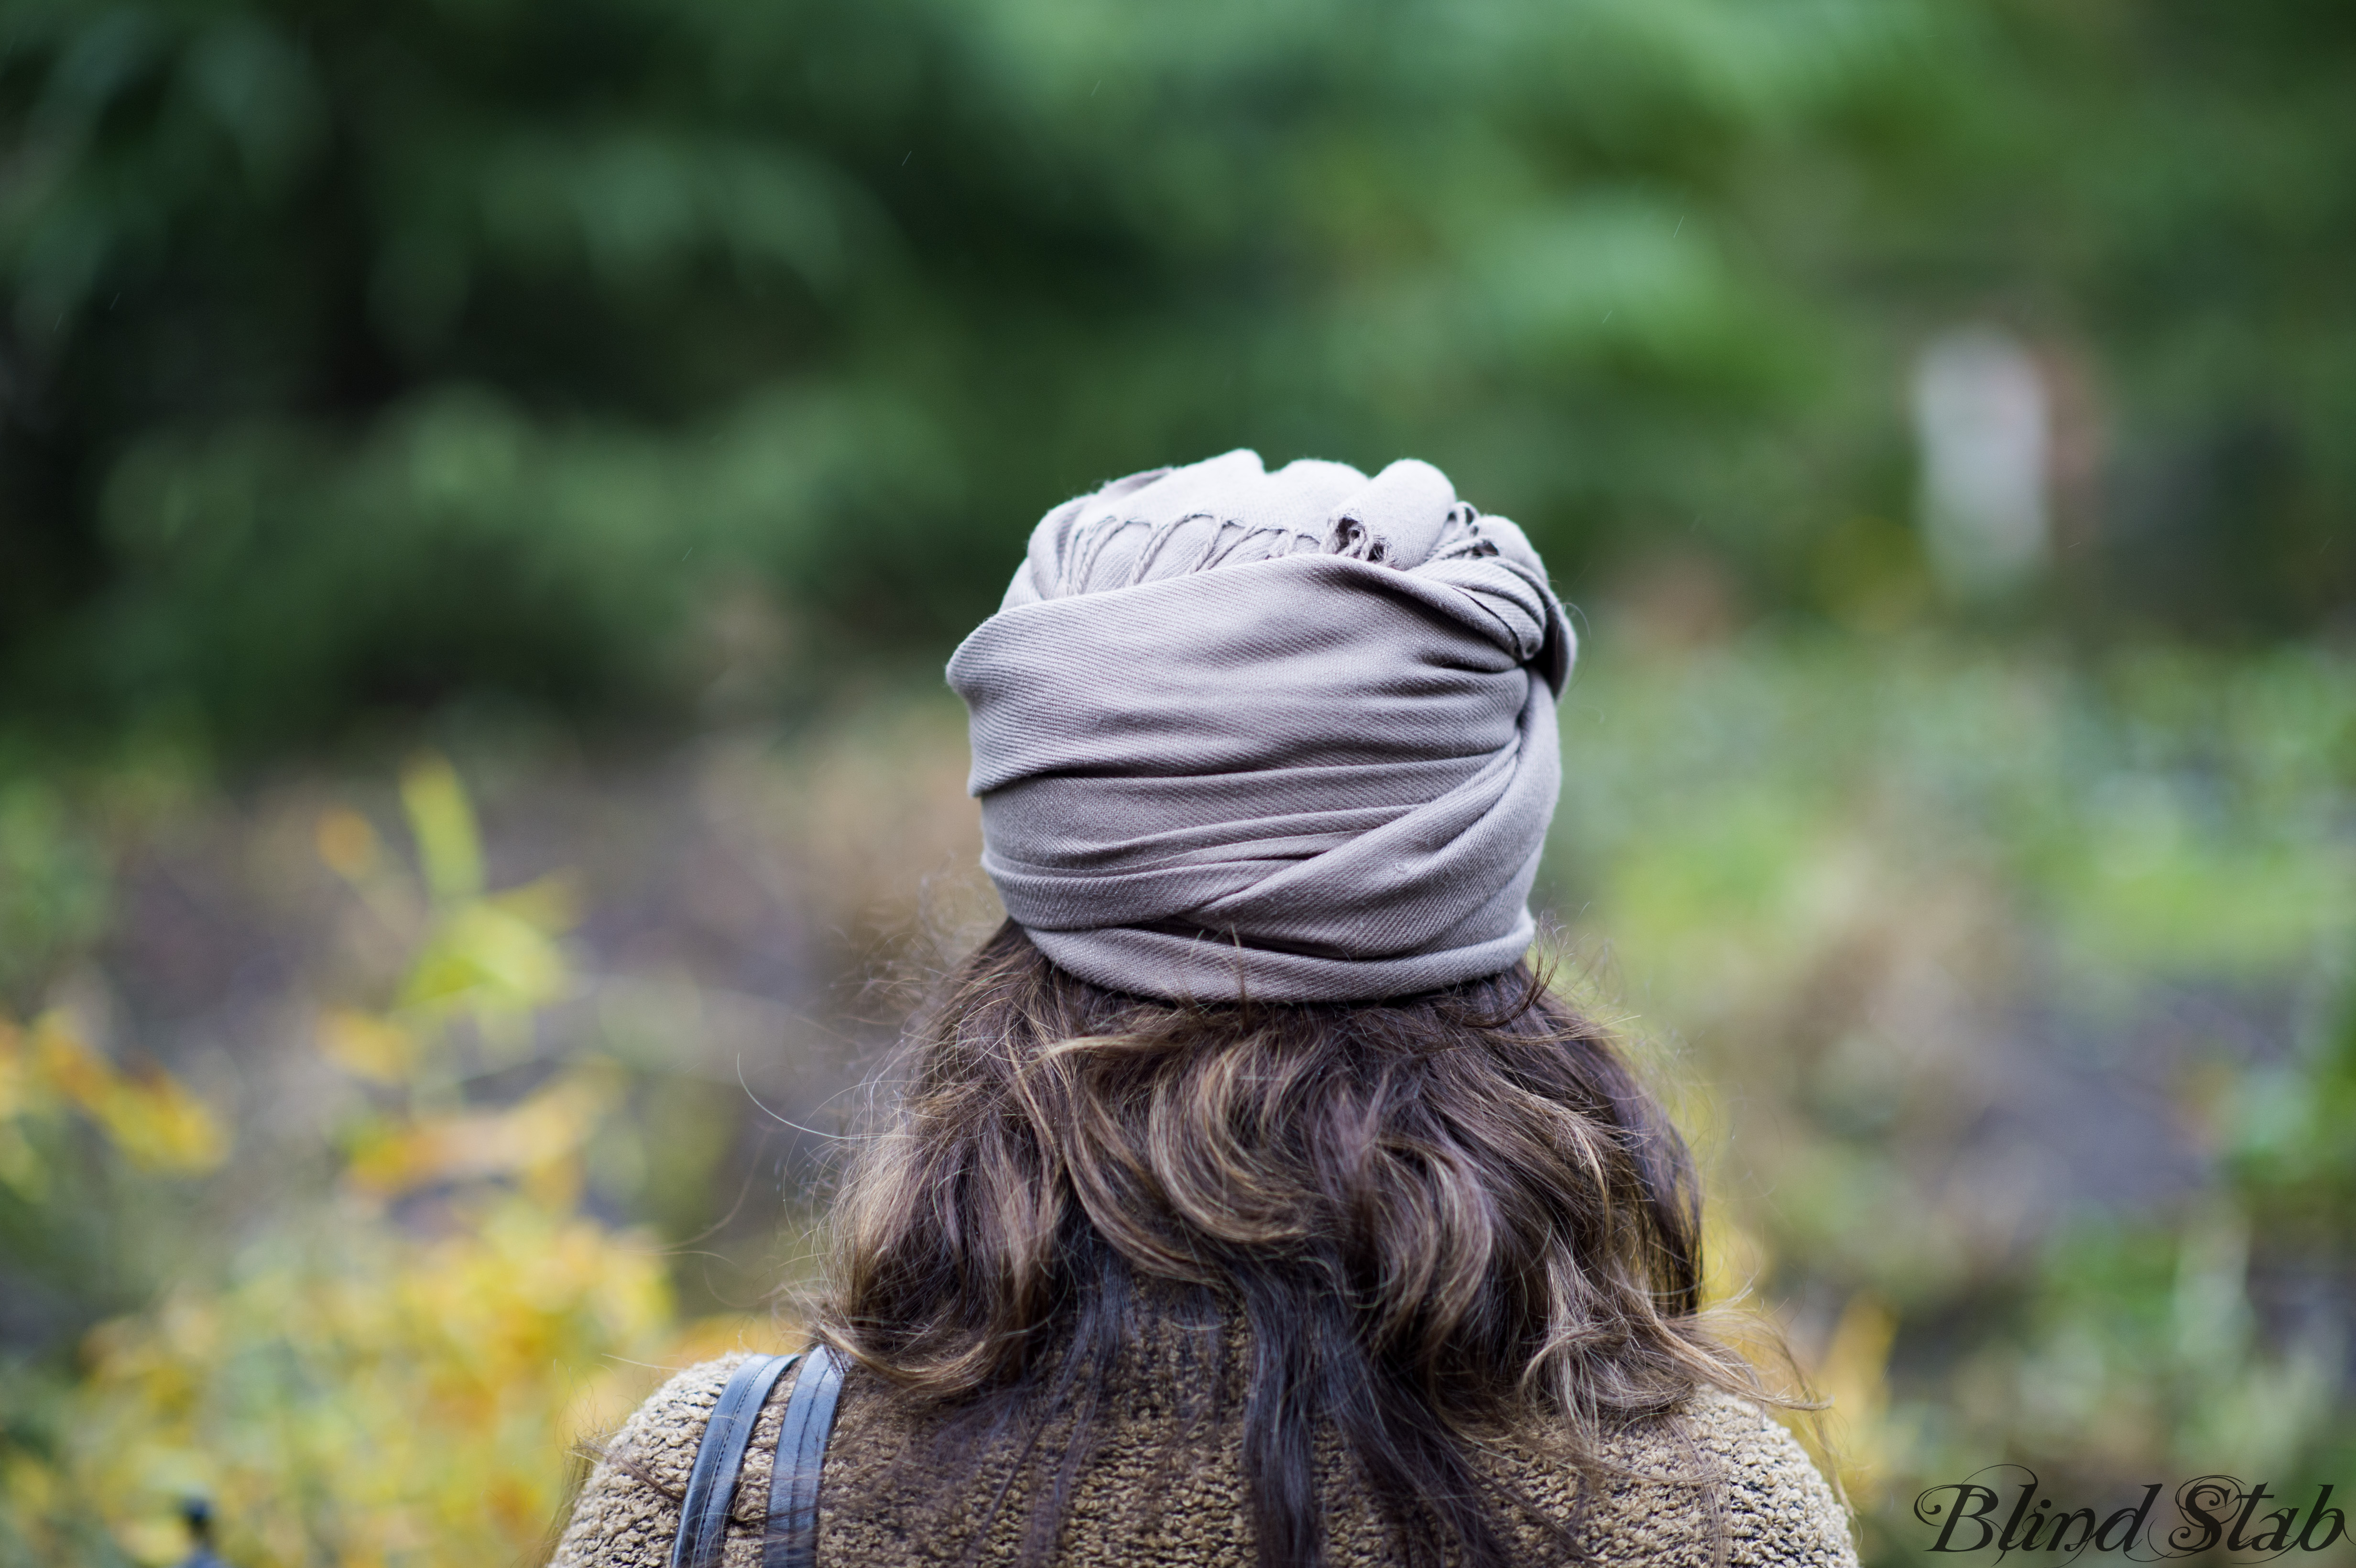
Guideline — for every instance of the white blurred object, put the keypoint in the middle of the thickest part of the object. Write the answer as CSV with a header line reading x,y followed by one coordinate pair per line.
x,y
1983,421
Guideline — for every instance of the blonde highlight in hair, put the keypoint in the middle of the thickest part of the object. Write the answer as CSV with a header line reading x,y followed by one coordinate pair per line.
x,y
1431,1219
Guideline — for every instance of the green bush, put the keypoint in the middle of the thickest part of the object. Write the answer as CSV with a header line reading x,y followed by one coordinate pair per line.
x,y
362,357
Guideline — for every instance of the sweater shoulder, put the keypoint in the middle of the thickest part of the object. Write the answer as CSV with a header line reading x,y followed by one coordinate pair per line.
x,y
1771,1505
1715,1483
629,1510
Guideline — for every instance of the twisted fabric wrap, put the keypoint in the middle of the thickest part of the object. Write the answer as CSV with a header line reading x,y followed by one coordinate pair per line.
x,y
1286,735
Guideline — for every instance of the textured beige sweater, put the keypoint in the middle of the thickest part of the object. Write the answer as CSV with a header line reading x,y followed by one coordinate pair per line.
x,y
1168,1490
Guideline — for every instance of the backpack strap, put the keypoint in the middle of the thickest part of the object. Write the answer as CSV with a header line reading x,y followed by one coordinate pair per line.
x,y
711,1484
792,1540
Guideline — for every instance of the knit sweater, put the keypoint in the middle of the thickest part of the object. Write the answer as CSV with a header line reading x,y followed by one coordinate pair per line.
x,y
1165,1488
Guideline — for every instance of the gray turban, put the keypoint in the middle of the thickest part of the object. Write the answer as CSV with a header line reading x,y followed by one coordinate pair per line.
x,y
1283,735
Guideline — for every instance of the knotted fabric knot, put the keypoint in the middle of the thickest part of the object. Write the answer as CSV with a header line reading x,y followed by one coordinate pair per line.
x,y
1286,735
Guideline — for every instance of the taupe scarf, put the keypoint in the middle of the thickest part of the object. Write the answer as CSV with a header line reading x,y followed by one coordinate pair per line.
x,y
1288,735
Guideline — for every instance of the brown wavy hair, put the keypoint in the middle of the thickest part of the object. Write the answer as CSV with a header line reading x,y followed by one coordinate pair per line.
x,y
1428,1221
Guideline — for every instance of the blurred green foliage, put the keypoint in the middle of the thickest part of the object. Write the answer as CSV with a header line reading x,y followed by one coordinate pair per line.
x,y
362,355
56,899
2015,1003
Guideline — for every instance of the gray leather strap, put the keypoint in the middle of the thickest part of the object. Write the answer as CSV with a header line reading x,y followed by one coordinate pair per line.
x,y
711,1483
802,1454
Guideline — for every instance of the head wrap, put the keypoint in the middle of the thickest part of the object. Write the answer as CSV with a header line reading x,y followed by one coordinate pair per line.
x,y
1284,735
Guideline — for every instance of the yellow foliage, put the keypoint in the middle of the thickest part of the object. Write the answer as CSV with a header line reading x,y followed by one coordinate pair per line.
x,y
152,1117
1853,1378
495,957
368,1397
1734,1259
367,1046
374,1382
484,955
449,849
544,1132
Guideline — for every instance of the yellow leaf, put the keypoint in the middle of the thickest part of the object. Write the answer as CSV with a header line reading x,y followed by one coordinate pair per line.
x,y
155,1120
529,1139
551,904
152,1117
347,843
66,1063
484,957
443,821
367,1046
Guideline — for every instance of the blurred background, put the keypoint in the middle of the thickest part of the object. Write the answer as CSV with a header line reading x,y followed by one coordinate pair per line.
x,y
486,487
